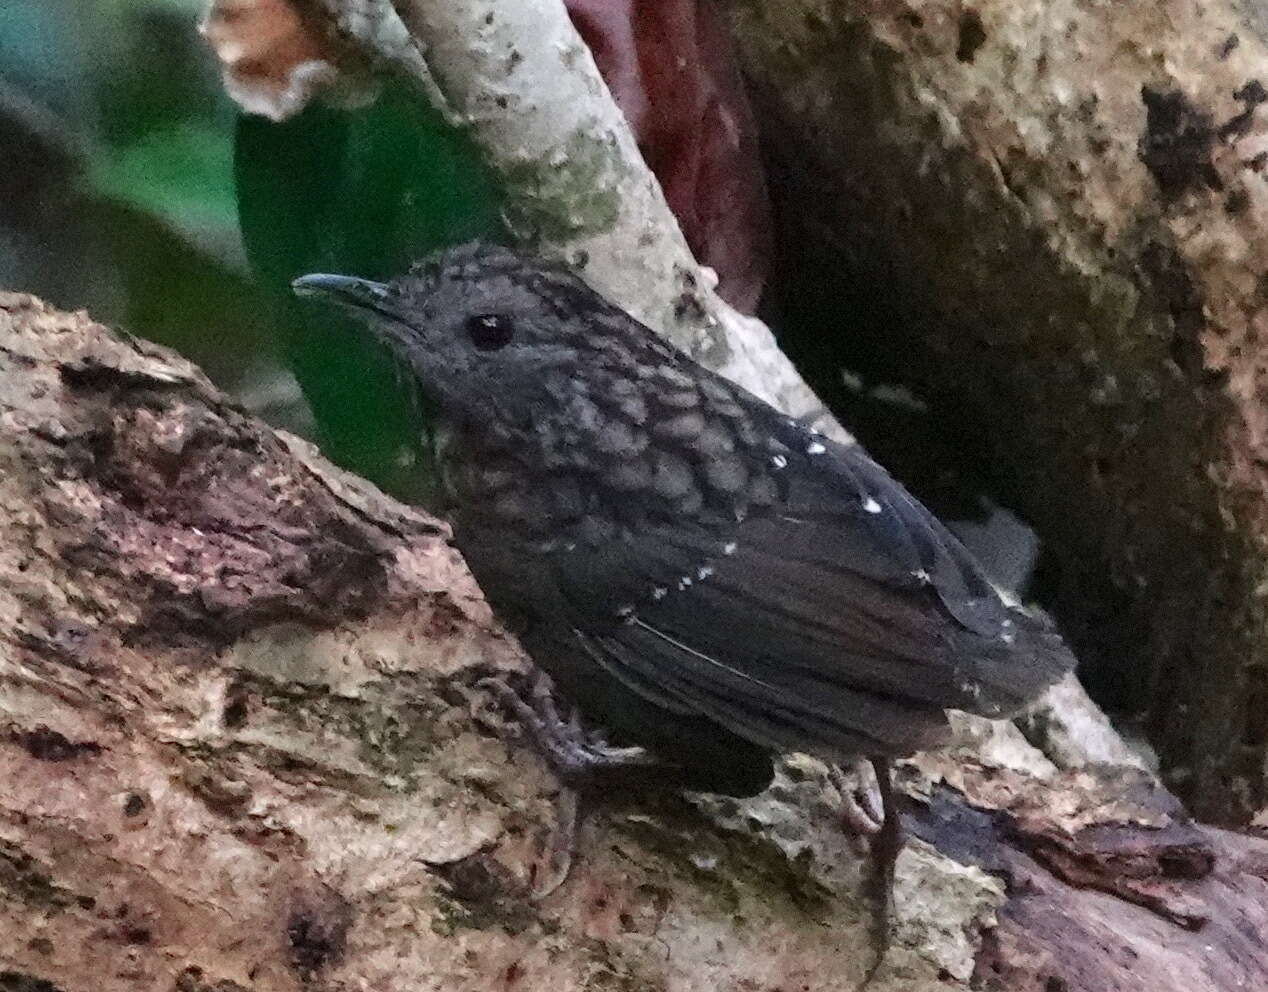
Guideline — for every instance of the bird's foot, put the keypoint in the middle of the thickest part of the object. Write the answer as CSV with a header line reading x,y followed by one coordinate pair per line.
x,y
869,810
862,808
863,817
577,757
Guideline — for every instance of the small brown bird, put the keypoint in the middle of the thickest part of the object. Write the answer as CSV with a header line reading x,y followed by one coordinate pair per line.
x,y
696,570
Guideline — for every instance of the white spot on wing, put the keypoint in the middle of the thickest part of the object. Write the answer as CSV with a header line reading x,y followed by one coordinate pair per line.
x,y
779,461
684,582
659,593
920,575
729,548
815,448
703,572
871,506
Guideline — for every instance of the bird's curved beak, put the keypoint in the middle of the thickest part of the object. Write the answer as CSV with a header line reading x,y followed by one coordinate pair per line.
x,y
347,291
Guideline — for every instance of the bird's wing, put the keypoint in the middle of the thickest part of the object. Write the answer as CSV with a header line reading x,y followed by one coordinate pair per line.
x,y
842,622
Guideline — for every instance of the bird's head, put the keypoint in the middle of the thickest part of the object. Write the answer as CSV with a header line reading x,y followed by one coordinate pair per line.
x,y
493,334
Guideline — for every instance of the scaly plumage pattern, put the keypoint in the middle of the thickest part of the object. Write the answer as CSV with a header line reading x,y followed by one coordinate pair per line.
x,y
697,570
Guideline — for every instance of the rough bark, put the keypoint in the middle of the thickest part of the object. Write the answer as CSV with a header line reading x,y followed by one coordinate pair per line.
x,y
240,750
1059,211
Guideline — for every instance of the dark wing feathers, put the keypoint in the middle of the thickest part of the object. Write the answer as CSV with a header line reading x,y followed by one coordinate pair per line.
x,y
786,712
902,530
843,623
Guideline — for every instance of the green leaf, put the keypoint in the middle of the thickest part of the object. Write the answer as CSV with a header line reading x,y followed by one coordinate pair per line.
x,y
363,193
184,175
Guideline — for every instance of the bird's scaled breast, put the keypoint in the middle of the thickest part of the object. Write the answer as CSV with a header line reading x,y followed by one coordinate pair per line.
x,y
625,450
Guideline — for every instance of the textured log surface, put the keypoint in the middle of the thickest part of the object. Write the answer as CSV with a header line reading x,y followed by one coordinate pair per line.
x,y
239,751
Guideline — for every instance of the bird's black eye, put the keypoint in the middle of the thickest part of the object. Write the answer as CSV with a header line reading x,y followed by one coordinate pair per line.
x,y
490,331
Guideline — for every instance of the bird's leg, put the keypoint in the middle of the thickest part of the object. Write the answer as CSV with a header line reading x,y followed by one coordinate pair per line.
x,y
576,757
886,843
551,870
868,810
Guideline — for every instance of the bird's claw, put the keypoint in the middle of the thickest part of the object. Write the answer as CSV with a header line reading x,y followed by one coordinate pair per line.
x,y
574,753
862,809
555,861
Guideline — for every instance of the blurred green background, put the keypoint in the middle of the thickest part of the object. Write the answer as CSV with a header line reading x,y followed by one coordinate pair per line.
x,y
132,187
117,194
